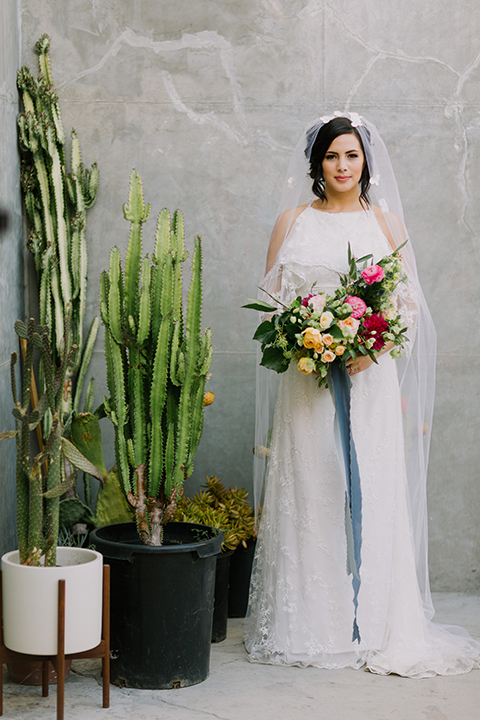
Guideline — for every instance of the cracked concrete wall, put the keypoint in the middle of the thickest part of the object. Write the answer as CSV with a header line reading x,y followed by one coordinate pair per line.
x,y
11,259
207,99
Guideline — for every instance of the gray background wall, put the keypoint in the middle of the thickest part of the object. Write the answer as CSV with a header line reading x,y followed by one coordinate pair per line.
x,y
11,258
206,99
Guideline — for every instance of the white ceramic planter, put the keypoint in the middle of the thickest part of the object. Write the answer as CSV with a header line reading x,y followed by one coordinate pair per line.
x,y
30,602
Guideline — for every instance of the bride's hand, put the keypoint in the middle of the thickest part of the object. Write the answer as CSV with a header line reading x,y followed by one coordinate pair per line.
x,y
360,363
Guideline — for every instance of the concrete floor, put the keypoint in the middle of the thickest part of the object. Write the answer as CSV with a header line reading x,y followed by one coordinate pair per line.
x,y
238,690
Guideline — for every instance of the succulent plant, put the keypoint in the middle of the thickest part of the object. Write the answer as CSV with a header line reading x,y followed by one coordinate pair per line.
x,y
157,363
227,510
42,480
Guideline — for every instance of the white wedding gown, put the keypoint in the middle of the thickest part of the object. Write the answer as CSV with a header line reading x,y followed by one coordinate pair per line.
x,y
301,598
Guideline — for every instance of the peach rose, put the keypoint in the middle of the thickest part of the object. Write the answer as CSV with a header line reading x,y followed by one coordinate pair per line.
x,y
328,356
339,350
327,339
312,338
349,326
306,365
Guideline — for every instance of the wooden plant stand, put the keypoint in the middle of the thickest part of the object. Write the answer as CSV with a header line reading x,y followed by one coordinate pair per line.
x,y
102,650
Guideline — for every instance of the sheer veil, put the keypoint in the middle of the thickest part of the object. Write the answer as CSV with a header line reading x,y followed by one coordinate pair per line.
x,y
416,369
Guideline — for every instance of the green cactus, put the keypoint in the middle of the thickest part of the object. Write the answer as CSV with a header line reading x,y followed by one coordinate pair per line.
x,y
56,204
157,363
42,480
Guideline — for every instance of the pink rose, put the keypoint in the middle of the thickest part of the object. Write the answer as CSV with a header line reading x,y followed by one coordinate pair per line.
x,y
317,302
373,274
358,306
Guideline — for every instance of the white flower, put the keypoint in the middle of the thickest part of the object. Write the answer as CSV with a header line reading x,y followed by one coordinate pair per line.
x,y
383,205
292,182
326,320
375,178
355,119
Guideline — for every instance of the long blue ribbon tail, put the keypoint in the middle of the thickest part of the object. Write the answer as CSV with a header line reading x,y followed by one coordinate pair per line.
x,y
340,388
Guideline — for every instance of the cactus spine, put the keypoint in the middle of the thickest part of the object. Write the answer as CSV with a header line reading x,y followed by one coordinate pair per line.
x,y
39,491
157,363
56,203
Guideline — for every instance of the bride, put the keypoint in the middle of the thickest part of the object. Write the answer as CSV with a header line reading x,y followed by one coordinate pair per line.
x,y
301,608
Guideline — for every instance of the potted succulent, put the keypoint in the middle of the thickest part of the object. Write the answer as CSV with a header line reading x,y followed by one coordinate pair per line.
x,y
230,512
162,574
30,574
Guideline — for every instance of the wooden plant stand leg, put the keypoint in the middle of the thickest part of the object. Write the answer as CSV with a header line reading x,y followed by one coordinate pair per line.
x,y
60,659
106,637
102,650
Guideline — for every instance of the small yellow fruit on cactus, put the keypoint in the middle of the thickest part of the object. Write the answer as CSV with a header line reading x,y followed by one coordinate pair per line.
x,y
208,398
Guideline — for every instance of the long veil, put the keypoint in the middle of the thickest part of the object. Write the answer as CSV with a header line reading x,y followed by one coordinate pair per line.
x,y
416,369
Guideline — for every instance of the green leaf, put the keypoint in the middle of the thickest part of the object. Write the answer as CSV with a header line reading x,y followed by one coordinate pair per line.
x,y
265,333
73,511
112,505
59,490
335,332
79,460
260,305
86,436
273,360
364,258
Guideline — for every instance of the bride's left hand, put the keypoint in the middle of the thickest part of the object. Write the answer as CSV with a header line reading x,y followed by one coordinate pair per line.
x,y
360,363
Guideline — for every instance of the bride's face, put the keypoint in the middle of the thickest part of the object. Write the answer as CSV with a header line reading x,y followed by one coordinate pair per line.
x,y
343,164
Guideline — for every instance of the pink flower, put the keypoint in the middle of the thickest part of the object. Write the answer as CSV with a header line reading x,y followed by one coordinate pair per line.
x,y
316,302
358,306
373,274
374,327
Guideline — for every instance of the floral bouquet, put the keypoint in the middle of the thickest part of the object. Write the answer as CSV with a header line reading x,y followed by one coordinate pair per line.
x,y
317,330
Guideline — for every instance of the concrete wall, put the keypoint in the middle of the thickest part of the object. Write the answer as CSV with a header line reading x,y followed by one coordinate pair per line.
x,y
206,100
11,259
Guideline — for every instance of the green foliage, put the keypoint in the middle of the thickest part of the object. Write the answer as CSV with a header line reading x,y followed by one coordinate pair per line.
x,y
42,480
227,510
112,506
157,363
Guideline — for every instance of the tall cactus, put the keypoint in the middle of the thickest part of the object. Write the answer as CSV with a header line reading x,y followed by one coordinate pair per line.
x,y
157,363
56,203
42,480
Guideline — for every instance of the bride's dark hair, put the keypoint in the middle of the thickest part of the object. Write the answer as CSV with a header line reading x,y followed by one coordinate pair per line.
x,y
325,136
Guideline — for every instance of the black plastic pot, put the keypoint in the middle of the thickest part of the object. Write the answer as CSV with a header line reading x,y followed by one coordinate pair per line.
x,y
161,604
220,607
239,579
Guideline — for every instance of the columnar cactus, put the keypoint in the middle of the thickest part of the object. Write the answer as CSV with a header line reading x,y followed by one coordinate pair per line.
x,y
42,481
157,363
56,203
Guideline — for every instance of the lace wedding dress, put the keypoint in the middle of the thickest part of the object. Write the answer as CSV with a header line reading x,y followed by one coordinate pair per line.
x,y
301,598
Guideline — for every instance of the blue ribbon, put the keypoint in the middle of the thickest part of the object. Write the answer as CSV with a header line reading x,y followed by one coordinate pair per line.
x,y
340,389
